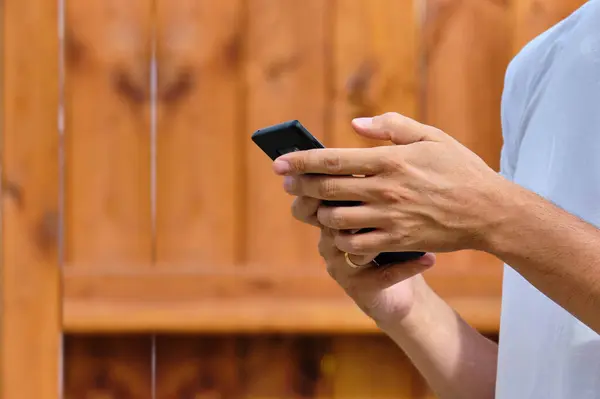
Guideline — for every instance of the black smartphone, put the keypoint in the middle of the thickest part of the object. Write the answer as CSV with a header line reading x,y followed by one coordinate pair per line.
x,y
292,136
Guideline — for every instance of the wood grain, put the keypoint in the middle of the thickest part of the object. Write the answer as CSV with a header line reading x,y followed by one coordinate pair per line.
x,y
372,367
466,49
282,366
257,300
285,366
199,137
108,367
286,79
107,133
30,330
375,54
532,17
192,366
265,367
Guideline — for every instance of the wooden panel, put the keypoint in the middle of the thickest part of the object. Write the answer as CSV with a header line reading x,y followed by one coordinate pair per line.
x,y
255,300
107,138
108,367
241,367
467,49
534,17
375,63
286,79
466,55
285,366
373,367
353,61
30,273
200,159
310,378
282,367
196,367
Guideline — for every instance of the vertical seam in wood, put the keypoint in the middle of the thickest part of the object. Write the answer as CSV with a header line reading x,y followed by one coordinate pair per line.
x,y
421,16
61,15
153,130
2,180
329,59
153,170
241,215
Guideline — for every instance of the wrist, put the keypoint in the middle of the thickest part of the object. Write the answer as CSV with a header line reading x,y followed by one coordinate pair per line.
x,y
417,315
508,207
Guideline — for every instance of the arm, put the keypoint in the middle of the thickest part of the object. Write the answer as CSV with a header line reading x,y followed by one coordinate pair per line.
x,y
430,193
555,251
456,360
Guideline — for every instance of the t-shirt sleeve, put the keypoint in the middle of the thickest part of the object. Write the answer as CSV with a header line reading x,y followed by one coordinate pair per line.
x,y
513,101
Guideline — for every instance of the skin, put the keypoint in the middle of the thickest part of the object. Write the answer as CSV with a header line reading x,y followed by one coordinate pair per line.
x,y
430,193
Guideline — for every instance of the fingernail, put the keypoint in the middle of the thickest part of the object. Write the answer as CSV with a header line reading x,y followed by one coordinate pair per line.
x,y
288,183
363,122
281,167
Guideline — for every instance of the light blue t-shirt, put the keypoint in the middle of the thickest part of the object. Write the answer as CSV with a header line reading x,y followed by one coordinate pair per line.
x,y
551,128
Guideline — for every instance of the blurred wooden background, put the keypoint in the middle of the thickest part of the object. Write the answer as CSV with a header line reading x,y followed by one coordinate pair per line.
x,y
141,222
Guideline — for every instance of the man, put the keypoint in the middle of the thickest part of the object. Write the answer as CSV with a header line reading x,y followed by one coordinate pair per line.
x,y
429,193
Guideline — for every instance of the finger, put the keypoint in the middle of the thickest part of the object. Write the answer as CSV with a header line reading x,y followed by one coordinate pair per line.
x,y
362,261
391,275
340,188
375,241
337,266
305,209
397,128
330,161
327,248
349,218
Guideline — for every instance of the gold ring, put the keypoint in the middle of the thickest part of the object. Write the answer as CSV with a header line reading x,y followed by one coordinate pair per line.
x,y
349,262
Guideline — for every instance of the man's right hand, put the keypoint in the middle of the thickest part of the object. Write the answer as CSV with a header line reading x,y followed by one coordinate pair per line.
x,y
385,294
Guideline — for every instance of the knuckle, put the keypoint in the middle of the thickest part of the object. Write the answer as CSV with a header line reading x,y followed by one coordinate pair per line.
x,y
323,252
332,163
389,116
327,189
394,194
303,209
393,161
436,132
298,163
398,240
324,246
297,209
335,220
386,118
389,194
357,245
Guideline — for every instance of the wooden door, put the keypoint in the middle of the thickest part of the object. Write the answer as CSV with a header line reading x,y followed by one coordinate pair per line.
x,y
140,222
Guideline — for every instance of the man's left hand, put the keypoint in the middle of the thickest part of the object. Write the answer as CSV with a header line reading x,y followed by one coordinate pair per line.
x,y
426,193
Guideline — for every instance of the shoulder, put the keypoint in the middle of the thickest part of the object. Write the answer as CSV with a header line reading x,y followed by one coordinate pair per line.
x,y
524,78
528,67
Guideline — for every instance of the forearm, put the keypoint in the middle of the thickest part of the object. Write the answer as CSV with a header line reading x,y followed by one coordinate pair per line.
x,y
555,251
456,361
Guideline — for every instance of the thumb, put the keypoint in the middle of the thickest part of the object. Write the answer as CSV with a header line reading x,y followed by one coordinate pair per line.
x,y
396,128
424,262
391,275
